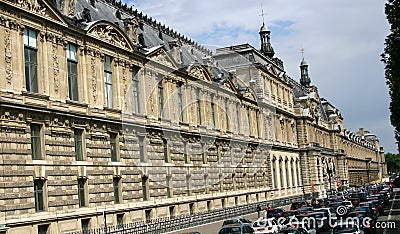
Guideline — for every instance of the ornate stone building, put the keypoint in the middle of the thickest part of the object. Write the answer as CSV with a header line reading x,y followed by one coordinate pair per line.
x,y
106,111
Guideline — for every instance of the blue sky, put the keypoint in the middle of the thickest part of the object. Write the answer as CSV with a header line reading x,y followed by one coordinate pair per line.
x,y
342,39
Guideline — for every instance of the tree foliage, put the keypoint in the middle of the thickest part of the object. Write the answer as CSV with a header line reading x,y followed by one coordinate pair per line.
x,y
393,162
391,59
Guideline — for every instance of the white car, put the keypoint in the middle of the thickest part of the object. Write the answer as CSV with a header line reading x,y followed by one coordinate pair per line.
x,y
347,228
270,225
306,226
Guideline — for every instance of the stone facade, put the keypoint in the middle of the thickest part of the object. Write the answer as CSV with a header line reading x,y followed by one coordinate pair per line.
x,y
116,114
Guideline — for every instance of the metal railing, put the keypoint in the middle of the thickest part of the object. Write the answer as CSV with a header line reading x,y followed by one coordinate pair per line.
x,y
170,224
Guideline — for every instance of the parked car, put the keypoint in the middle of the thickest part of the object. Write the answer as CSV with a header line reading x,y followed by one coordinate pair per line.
x,y
372,205
362,218
368,210
289,215
237,228
236,220
379,206
270,225
305,225
348,228
318,220
275,213
297,205
293,230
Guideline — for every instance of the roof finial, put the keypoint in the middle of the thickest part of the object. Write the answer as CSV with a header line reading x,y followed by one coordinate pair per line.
x,y
302,53
262,14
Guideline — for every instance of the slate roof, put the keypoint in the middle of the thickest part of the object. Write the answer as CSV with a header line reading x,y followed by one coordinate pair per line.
x,y
107,10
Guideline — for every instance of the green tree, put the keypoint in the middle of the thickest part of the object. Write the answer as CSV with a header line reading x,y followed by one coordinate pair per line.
x,y
391,59
393,162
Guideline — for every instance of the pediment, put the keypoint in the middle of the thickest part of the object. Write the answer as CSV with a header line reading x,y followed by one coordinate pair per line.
x,y
230,85
249,95
111,34
161,56
199,72
41,8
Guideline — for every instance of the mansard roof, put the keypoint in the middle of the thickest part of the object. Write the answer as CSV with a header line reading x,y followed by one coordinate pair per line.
x,y
154,33
245,54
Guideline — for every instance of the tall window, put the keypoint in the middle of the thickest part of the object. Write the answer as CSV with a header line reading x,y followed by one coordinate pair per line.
x,y
293,174
120,220
78,133
203,153
72,64
82,192
249,120
180,103
238,117
43,229
168,184
135,90
287,173
198,107
281,172
166,151
36,141
108,81
113,147
39,195
85,225
145,188
116,186
30,55
141,149
185,153
258,123
227,115
274,173
160,93
213,112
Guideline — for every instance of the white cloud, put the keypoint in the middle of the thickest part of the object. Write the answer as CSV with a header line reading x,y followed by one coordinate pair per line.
x,y
342,39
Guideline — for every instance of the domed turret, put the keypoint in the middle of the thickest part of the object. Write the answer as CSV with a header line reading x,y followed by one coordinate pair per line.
x,y
305,78
266,47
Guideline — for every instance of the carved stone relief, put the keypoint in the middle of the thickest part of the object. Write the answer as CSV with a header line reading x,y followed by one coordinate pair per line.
x,y
68,7
56,68
131,28
32,5
94,80
198,73
109,34
8,56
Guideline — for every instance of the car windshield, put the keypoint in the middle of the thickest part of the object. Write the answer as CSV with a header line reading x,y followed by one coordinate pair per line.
x,y
231,221
260,223
230,230
243,220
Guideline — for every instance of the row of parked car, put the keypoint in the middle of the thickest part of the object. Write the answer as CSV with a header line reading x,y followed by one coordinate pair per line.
x,y
353,211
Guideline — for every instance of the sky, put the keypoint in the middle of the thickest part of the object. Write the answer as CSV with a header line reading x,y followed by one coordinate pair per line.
x,y
342,43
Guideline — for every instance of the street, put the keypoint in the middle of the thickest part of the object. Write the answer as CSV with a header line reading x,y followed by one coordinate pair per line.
x,y
389,223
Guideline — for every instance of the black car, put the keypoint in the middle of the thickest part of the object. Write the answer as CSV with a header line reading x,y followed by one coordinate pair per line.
x,y
368,210
298,205
236,220
237,228
362,196
293,230
362,218
275,213
318,220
